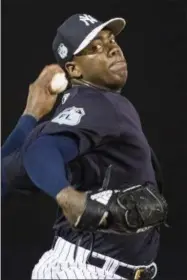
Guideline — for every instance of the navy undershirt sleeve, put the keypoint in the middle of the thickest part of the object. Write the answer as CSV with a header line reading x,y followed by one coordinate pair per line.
x,y
17,137
14,141
45,159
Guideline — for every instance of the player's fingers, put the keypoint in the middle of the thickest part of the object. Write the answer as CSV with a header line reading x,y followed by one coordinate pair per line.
x,y
55,67
52,68
44,80
48,73
43,72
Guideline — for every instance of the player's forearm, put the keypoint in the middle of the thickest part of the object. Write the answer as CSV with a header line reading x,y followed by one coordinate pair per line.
x,y
15,140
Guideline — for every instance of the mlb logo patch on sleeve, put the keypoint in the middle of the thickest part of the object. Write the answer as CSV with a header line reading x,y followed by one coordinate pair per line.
x,y
65,97
70,116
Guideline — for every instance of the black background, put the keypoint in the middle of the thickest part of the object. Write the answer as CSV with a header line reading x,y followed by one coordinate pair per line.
x,y
154,44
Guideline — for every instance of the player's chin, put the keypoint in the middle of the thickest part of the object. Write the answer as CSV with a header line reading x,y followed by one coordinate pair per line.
x,y
118,81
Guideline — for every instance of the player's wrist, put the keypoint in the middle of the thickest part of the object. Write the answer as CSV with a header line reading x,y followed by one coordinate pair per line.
x,y
64,194
32,113
72,203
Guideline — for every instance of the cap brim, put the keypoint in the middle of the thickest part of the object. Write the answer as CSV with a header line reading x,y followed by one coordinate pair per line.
x,y
116,25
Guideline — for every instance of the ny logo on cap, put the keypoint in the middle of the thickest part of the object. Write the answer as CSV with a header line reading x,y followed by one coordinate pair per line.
x,y
87,19
62,50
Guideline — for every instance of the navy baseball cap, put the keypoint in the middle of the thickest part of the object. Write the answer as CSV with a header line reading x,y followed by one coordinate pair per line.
x,y
77,32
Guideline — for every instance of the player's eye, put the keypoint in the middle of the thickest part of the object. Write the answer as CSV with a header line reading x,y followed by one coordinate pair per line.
x,y
93,48
112,40
97,48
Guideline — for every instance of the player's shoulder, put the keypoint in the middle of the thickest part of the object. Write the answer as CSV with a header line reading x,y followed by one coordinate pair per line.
x,y
85,95
116,99
121,105
84,107
89,99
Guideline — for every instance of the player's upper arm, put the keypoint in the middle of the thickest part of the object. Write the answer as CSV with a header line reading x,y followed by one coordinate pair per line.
x,y
87,116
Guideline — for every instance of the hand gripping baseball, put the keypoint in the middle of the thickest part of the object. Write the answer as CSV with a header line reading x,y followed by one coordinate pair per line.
x,y
44,91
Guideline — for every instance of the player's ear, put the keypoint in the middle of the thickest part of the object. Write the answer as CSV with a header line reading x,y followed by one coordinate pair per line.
x,y
73,69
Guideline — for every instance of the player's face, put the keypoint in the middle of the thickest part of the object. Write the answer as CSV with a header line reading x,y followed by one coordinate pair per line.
x,y
102,62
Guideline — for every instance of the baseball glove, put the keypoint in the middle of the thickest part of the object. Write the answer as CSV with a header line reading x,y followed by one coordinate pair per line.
x,y
128,211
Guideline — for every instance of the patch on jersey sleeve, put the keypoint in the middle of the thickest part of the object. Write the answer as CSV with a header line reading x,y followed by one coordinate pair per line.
x,y
70,116
65,97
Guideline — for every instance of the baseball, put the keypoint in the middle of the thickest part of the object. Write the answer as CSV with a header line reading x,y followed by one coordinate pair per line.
x,y
58,83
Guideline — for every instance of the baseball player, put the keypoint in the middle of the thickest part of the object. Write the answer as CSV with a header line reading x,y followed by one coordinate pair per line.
x,y
93,158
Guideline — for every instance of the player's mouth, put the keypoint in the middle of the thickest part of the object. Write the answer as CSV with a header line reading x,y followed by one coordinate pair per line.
x,y
118,66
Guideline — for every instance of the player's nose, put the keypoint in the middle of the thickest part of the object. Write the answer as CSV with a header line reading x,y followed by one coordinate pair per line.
x,y
115,50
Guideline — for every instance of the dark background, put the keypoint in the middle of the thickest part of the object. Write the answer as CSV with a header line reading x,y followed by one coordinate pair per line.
x,y
155,48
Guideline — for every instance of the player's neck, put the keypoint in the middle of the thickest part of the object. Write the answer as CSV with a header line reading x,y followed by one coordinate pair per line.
x,y
89,84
